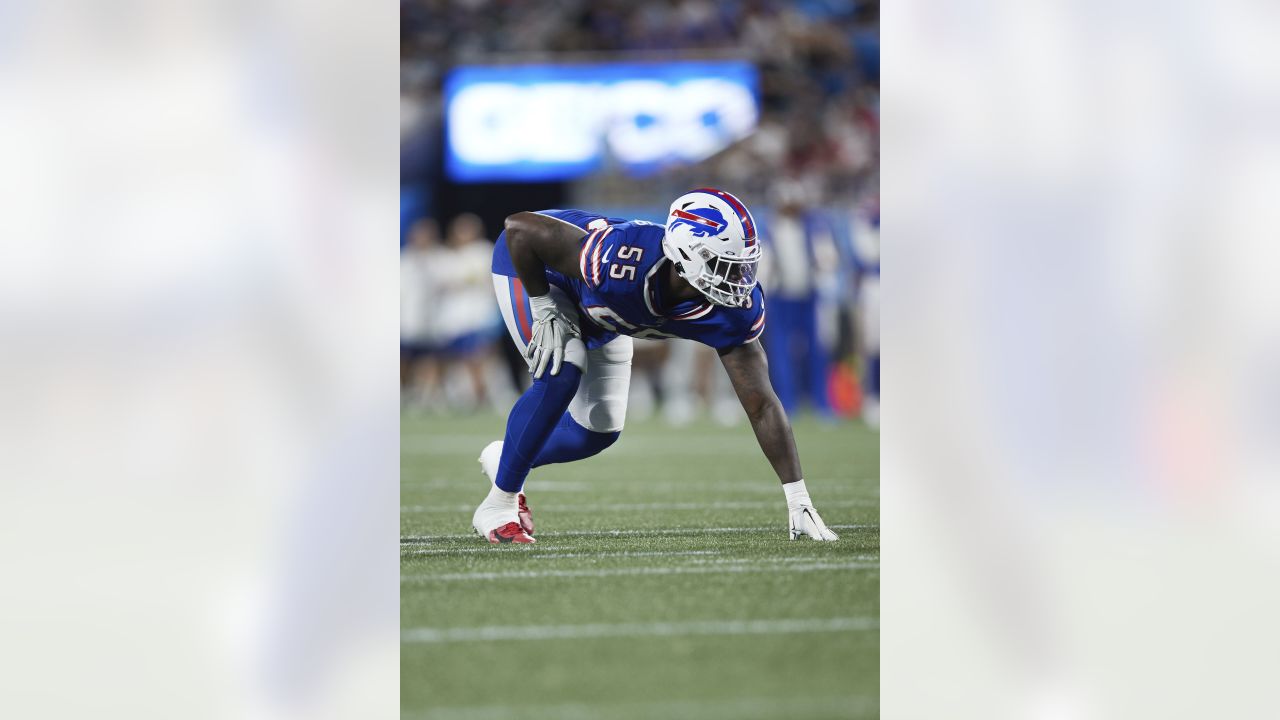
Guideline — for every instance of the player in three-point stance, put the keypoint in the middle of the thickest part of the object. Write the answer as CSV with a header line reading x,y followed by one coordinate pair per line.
x,y
575,287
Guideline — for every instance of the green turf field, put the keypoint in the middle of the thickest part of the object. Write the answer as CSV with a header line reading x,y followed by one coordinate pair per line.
x,y
662,584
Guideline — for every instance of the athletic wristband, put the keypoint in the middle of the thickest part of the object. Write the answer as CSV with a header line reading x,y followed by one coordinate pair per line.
x,y
541,305
797,494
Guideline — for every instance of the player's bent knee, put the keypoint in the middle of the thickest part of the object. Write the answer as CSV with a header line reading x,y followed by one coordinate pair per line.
x,y
606,417
601,404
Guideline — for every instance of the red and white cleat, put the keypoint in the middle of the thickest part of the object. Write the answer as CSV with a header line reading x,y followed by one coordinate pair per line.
x,y
525,514
489,458
510,533
497,519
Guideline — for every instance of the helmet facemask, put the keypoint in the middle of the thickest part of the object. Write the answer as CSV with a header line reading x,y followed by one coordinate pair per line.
x,y
726,281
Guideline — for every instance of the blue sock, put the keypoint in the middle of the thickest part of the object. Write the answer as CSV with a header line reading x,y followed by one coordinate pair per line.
x,y
531,422
571,441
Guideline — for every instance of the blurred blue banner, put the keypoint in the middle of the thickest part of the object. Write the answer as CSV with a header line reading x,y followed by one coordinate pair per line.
x,y
555,122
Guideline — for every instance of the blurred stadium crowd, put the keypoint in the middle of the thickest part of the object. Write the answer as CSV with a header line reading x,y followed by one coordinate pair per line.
x,y
809,170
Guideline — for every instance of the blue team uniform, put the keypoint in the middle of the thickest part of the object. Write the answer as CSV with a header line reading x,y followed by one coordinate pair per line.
x,y
620,261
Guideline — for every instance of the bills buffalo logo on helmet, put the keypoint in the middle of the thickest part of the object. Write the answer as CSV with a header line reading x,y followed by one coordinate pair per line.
x,y
702,221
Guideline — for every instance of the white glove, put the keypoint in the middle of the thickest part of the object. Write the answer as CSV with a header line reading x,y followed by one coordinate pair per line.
x,y
805,520
551,330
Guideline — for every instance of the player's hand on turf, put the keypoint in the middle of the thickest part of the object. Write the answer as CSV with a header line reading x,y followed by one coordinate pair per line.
x,y
551,331
805,520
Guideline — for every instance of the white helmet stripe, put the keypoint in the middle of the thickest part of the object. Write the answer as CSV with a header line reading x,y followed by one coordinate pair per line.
x,y
697,219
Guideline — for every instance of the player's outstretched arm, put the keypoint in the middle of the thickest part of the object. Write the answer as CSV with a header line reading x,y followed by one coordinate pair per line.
x,y
748,369
535,243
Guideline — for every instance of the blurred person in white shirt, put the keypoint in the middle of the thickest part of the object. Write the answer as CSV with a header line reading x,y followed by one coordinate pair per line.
x,y
419,292
466,317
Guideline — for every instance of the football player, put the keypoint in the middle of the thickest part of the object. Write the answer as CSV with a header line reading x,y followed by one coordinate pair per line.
x,y
575,287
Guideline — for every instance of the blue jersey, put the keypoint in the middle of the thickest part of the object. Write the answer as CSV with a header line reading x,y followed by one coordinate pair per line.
x,y
619,292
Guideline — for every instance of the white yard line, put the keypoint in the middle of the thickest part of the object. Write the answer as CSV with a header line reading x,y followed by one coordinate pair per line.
x,y
489,633
546,552
653,553
487,547
867,560
738,707
830,486
776,529
744,567
537,552
631,507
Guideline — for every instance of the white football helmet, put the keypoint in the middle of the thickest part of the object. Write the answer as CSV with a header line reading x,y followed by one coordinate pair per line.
x,y
711,239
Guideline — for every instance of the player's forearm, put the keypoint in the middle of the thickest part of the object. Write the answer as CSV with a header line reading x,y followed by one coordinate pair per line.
x,y
773,432
522,245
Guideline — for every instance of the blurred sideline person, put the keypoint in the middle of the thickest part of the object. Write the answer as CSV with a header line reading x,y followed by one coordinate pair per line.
x,y
679,378
866,243
797,356
575,288
690,378
419,294
468,324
